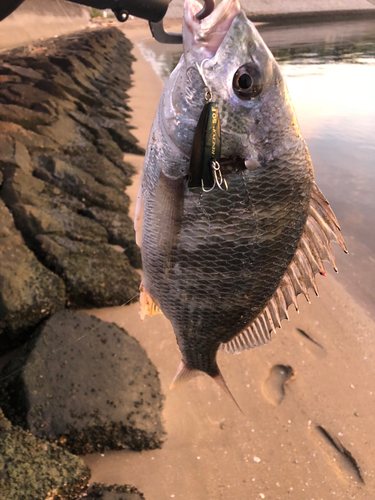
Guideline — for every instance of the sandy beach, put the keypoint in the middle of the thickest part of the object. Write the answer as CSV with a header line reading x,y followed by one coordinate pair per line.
x,y
308,398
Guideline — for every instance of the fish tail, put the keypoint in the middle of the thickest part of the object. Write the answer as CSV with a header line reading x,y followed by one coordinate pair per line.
x,y
184,374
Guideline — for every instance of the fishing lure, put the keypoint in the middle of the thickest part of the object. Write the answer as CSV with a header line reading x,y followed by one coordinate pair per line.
x,y
205,167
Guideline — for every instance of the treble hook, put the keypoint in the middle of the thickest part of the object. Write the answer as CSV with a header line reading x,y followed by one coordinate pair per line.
x,y
208,7
218,178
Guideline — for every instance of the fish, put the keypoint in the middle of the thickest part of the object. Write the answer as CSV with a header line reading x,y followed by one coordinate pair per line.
x,y
227,246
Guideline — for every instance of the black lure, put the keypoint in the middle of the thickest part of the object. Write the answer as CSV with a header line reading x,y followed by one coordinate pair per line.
x,y
206,149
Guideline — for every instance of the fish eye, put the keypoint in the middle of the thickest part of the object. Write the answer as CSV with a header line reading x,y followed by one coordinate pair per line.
x,y
247,82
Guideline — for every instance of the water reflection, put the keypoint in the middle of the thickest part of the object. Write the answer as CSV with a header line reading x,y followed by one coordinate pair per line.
x,y
330,73
321,42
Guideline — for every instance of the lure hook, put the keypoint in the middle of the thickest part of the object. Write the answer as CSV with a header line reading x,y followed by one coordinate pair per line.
x,y
218,178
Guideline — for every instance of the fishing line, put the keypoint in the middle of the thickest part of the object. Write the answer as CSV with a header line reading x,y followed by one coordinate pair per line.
x,y
64,346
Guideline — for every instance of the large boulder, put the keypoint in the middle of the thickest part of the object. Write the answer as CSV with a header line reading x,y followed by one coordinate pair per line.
x,y
33,469
85,384
95,274
28,291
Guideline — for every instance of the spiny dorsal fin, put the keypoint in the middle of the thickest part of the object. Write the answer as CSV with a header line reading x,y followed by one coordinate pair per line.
x,y
321,228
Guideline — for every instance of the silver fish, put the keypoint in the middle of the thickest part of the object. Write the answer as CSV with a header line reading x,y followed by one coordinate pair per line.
x,y
224,262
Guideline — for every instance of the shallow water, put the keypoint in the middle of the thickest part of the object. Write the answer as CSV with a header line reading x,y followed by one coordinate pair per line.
x,y
330,72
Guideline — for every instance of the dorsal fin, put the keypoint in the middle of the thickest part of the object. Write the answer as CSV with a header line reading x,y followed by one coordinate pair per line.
x,y
321,228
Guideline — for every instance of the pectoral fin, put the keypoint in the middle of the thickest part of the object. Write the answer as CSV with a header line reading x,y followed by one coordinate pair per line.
x,y
148,305
168,207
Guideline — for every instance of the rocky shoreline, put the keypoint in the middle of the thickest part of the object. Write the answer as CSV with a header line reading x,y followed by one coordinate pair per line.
x,y
63,132
67,242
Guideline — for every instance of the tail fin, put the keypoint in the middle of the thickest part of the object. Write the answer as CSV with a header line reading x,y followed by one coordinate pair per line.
x,y
184,374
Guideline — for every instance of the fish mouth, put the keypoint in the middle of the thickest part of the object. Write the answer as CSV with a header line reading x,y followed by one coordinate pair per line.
x,y
208,34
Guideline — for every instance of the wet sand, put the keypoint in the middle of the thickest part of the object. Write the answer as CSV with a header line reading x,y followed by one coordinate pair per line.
x,y
308,397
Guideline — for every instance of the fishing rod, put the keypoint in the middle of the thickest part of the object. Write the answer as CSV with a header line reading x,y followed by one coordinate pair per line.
x,y
151,10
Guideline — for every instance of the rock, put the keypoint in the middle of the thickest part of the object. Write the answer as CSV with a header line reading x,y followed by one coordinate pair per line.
x,y
7,227
33,469
53,88
10,79
26,95
113,492
103,170
61,221
120,229
71,65
28,138
27,118
28,291
28,190
95,274
113,152
28,73
85,384
69,86
109,143
71,138
13,154
107,130
121,136
80,184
